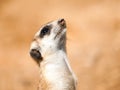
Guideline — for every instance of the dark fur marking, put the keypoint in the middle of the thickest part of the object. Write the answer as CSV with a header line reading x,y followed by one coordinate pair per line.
x,y
62,43
45,31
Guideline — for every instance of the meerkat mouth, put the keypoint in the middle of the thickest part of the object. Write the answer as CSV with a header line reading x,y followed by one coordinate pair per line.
x,y
59,33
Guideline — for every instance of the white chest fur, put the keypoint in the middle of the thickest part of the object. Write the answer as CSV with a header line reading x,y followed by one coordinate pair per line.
x,y
56,71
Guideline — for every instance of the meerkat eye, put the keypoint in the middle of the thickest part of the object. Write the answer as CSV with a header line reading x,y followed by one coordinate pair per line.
x,y
45,31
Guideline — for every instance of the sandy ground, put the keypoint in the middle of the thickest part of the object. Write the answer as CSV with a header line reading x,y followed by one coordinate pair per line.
x,y
93,43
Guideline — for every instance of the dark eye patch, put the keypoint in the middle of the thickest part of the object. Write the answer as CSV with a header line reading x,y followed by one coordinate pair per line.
x,y
45,31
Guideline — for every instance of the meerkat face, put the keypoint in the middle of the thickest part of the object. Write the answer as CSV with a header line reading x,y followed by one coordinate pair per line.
x,y
50,38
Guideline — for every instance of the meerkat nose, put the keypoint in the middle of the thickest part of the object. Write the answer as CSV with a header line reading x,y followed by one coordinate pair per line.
x,y
62,23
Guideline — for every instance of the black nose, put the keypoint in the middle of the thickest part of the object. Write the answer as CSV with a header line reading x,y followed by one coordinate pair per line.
x,y
35,54
62,22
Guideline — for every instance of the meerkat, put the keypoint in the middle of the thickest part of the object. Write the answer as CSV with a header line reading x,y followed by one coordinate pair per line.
x,y
48,49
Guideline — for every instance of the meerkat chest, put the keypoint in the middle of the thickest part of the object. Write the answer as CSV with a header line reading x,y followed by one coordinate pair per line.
x,y
54,67
56,73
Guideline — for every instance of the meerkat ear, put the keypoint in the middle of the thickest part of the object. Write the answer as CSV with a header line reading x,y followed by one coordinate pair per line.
x,y
36,55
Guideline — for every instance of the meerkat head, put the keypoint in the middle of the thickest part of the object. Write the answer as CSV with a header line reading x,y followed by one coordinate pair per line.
x,y
50,38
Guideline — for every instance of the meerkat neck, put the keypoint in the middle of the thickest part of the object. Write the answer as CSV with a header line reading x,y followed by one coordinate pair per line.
x,y
54,55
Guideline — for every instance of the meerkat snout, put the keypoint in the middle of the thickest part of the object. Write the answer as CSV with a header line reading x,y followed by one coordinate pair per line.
x,y
62,23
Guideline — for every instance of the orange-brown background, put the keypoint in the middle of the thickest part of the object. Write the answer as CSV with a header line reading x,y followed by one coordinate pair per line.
x,y
93,41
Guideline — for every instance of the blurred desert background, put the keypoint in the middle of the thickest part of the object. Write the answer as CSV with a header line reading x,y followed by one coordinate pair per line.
x,y
93,41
